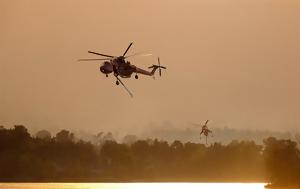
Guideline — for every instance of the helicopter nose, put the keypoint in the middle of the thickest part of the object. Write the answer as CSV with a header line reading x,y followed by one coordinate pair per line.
x,y
102,69
106,68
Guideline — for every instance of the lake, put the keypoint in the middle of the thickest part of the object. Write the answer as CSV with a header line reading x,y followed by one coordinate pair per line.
x,y
132,185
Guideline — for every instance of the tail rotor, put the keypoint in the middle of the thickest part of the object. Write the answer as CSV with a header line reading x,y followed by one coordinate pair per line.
x,y
159,67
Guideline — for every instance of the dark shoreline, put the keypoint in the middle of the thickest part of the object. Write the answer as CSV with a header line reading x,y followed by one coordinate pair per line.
x,y
282,186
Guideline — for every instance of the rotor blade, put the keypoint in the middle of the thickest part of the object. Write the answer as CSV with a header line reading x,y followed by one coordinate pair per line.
x,y
206,122
139,54
163,67
159,67
131,95
127,49
90,59
100,54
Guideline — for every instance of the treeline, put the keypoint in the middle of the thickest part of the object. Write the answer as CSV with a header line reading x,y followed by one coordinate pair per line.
x,y
24,158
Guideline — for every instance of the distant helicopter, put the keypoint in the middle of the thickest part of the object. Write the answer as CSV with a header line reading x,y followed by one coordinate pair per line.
x,y
205,130
120,67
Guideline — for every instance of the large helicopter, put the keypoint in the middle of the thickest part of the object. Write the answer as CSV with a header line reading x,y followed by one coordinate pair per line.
x,y
204,130
119,66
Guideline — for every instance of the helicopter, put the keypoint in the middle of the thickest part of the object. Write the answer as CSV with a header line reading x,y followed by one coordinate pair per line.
x,y
205,130
120,67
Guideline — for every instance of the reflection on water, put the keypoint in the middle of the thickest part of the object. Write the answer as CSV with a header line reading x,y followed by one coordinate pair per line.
x,y
131,185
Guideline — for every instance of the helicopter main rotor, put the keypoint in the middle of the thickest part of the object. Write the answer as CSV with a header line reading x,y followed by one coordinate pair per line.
x,y
111,57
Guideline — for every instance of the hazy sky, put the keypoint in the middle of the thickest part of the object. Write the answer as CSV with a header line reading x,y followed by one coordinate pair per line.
x,y
235,62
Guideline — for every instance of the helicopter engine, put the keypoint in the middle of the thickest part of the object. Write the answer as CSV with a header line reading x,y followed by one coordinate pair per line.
x,y
106,68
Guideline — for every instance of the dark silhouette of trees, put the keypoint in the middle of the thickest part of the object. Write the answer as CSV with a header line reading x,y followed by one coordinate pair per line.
x,y
282,159
64,136
24,158
116,159
65,158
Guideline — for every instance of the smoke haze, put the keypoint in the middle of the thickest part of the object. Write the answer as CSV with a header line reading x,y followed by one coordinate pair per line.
x,y
233,62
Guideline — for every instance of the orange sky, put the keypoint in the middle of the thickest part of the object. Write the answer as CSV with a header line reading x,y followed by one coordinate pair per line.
x,y
235,62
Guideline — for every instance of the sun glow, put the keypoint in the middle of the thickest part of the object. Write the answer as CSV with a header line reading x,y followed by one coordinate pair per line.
x,y
171,185
132,185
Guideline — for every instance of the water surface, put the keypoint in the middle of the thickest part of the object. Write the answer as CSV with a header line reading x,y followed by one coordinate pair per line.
x,y
131,185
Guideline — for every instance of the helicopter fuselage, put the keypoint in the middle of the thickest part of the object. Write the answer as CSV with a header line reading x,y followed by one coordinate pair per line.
x,y
121,68
118,66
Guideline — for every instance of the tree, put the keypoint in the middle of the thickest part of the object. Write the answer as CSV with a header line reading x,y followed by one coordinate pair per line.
x,y
64,136
21,132
282,159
